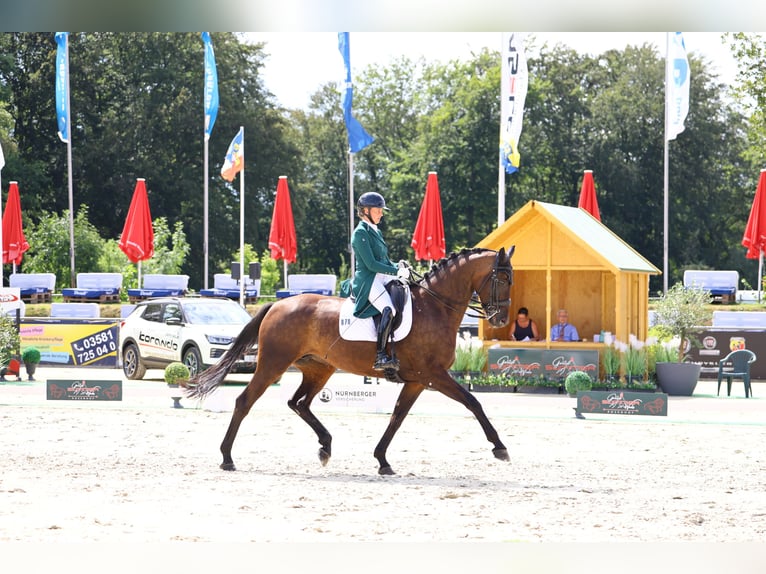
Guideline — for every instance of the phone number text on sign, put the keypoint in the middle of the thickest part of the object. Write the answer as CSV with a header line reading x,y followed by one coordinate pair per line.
x,y
95,347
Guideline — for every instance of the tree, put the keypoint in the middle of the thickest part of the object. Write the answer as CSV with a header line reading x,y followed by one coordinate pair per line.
x,y
136,104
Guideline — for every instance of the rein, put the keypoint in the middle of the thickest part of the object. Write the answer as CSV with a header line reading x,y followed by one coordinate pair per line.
x,y
481,310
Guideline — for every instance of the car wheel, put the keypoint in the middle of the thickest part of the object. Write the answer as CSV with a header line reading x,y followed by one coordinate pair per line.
x,y
192,360
131,363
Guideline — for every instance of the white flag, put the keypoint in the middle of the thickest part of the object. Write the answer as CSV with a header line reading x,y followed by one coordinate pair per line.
x,y
677,84
514,80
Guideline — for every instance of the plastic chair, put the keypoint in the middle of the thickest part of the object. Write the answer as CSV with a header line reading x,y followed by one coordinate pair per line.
x,y
740,361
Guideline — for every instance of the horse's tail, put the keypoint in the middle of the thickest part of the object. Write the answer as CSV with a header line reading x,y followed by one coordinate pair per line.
x,y
205,382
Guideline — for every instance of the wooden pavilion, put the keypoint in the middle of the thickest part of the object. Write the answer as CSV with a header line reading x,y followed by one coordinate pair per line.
x,y
566,258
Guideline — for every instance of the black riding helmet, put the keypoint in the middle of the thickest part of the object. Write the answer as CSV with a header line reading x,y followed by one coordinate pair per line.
x,y
370,199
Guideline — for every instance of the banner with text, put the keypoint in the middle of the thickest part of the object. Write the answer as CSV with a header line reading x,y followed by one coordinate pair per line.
x,y
553,364
72,342
620,402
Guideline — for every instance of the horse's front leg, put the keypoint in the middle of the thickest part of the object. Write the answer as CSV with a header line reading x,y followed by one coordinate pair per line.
x,y
450,388
407,397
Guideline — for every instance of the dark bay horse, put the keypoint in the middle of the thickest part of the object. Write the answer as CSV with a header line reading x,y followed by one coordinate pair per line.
x,y
303,331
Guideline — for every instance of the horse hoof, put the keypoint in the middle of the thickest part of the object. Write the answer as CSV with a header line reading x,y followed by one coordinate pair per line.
x,y
228,466
501,453
386,471
324,456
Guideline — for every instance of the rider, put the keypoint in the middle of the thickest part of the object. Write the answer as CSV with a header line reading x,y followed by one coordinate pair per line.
x,y
373,270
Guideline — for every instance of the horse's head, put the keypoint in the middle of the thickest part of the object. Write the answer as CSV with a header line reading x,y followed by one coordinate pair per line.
x,y
495,289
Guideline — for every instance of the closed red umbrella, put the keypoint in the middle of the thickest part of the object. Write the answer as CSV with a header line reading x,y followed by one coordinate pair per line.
x,y
14,242
588,199
137,239
428,239
755,231
282,241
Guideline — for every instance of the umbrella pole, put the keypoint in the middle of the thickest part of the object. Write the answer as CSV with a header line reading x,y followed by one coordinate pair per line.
x,y
760,273
139,274
285,271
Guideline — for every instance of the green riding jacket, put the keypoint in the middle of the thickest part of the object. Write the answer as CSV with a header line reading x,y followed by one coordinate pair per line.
x,y
371,253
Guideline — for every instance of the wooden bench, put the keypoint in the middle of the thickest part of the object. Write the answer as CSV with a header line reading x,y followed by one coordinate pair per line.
x,y
95,288
34,287
322,284
721,284
225,286
159,285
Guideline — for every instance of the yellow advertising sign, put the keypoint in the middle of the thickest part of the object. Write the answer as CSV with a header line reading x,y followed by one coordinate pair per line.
x,y
72,342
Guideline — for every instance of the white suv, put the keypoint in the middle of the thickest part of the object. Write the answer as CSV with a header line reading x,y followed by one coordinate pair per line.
x,y
195,331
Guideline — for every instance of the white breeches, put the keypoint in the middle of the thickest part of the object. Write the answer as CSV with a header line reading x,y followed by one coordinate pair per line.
x,y
379,297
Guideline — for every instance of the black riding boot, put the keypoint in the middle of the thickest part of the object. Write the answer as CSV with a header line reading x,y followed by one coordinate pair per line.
x,y
382,360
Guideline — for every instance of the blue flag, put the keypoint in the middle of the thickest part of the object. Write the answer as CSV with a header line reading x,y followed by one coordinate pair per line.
x,y
358,139
211,86
62,81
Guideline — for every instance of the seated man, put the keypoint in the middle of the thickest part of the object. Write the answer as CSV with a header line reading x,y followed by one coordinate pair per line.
x,y
564,331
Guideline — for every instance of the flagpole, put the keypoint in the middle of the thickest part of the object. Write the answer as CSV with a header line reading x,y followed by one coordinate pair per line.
x,y
242,224
2,270
666,202
501,192
205,208
501,167
351,207
69,170
210,99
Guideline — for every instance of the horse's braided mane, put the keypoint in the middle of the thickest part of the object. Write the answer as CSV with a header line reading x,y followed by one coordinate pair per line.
x,y
449,259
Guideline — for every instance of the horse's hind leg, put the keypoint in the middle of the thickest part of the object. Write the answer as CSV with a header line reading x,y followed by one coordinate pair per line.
x,y
245,401
315,376
407,397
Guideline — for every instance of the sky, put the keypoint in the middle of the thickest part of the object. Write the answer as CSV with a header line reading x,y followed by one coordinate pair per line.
x,y
299,62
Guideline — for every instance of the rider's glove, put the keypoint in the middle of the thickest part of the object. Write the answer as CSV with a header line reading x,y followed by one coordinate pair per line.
x,y
403,274
403,263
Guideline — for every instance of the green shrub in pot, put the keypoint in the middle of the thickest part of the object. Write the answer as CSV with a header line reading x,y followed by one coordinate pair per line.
x,y
577,381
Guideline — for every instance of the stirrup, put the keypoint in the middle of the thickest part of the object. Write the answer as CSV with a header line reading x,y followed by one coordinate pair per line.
x,y
384,362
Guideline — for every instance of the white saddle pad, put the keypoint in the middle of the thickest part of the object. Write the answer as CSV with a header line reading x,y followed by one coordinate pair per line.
x,y
355,329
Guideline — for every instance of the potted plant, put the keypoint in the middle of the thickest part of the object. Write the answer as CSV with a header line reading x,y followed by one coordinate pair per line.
x,y
462,357
477,359
176,376
577,381
9,343
470,359
635,361
679,315
611,361
30,357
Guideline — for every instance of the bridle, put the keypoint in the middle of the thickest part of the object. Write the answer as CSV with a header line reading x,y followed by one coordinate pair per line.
x,y
492,307
495,304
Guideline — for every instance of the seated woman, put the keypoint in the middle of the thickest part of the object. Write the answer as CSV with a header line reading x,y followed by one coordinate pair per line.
x,y
524,328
